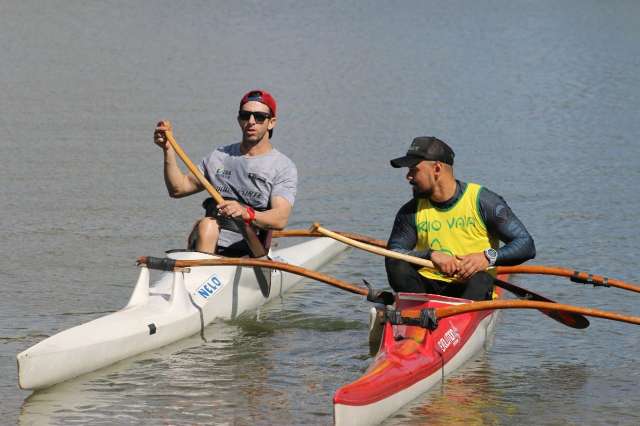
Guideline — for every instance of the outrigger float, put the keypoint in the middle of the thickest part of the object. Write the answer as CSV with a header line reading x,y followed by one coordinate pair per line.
x,y
179,304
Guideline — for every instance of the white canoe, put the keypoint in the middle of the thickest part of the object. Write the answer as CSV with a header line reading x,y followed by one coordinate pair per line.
x,y
175,306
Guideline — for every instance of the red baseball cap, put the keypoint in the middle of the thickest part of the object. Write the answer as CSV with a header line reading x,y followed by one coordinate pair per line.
x,y
261,96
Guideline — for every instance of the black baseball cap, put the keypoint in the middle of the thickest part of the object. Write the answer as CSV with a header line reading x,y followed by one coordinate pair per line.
x,y
425,148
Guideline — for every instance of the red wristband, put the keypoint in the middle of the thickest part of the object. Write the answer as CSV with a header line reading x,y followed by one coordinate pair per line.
x,y
252,215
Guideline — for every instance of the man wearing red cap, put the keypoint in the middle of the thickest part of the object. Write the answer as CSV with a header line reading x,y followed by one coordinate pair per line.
x,y
256,180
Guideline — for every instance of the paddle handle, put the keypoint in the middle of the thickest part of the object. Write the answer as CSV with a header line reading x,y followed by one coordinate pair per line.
x,y
187,162
308,233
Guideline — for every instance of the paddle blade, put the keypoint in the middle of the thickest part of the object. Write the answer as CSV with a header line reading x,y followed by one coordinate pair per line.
x,y
567,318
263,276
256,248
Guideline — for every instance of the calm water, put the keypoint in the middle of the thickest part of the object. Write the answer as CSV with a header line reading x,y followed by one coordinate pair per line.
x,y
539,99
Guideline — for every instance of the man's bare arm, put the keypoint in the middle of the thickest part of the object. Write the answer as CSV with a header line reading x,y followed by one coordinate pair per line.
x,y
178,184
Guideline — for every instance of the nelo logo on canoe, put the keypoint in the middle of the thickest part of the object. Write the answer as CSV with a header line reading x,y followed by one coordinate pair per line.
x,y
209,287
450,337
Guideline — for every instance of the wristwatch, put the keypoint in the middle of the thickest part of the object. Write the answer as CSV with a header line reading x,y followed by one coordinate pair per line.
x,y
491,256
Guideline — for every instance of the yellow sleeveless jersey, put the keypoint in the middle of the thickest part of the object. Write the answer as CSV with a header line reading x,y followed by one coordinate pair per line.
x,y
458,230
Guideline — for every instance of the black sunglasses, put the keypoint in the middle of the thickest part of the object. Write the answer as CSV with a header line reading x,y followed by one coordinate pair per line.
x,y
257,115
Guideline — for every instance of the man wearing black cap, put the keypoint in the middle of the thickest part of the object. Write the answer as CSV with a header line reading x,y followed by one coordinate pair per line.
x,y
256,180
457,225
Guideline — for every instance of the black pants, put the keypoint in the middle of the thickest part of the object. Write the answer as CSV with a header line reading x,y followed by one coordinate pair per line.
x,y
240,248
404,277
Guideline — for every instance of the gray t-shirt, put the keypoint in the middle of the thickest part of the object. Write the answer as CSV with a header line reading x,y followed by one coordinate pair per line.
x,y
251,180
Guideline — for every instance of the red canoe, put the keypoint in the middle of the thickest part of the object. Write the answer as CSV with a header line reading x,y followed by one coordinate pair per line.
x,y
411,360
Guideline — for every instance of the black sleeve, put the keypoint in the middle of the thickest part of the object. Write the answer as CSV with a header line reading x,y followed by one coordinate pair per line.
x,y
502,222
404,235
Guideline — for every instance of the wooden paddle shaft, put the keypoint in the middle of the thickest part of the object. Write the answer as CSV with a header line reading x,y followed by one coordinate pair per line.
x,y
371,248
192,168
309,233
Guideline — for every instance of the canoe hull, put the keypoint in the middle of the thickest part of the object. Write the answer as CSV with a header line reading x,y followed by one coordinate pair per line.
x,y
406,368
175,306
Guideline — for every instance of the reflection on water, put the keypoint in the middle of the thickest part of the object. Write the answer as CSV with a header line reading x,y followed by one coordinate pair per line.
x,y
122,388
467,397
195,381
482,393
551,392
478,394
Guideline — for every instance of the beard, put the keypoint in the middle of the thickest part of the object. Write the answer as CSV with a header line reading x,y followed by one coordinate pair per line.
x,y
253,139
421,194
